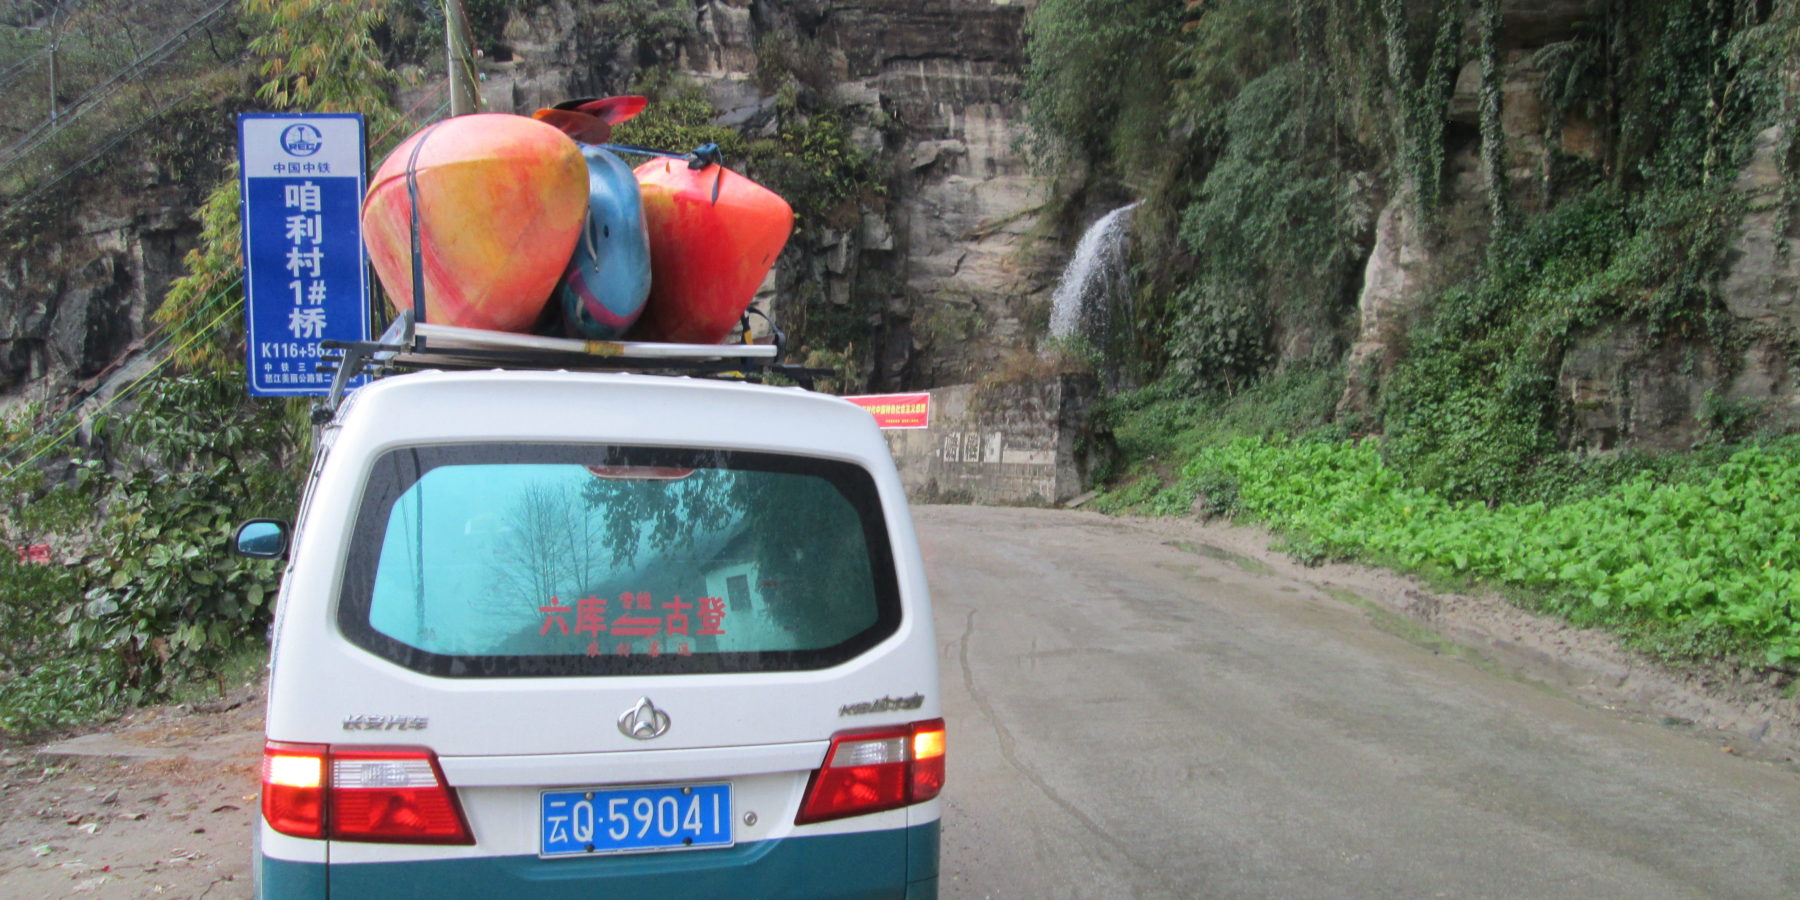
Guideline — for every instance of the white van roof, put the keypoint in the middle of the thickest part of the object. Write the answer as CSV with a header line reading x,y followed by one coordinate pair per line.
x,y
551,407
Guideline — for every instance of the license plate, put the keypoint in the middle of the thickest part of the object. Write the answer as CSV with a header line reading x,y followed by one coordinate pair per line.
x,y
635,819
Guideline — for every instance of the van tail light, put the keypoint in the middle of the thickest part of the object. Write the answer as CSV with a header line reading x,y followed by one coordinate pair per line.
x,y
391,795
869,771
293,788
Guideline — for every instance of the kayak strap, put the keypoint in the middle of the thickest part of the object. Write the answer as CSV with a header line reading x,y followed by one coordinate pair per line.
x,y
706,155
774,330
698,158
412,215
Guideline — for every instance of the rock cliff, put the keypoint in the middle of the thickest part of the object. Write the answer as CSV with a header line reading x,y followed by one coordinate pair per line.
x,y
938,269
80,277
1618,384
941,269
947,267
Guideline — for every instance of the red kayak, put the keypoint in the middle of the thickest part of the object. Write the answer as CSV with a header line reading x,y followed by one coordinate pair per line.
x,y
714,235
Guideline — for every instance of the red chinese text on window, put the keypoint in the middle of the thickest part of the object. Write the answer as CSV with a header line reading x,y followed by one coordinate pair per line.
x,y
677,621
590,615
553,615
591,619
637,626
712,615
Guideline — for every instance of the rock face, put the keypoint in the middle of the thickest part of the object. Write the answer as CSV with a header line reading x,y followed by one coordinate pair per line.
x,y
1395,281
948,74
940,270
1619,385
1763,279
1406,265
75,299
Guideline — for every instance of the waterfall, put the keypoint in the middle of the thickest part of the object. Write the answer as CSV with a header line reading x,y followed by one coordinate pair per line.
x,y
1096,275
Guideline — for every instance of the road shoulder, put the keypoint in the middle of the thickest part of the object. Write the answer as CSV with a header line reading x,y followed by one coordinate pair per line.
x,y
1748,714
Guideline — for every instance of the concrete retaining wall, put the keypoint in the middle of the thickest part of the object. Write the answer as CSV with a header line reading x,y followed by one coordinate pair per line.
x,y
1021,444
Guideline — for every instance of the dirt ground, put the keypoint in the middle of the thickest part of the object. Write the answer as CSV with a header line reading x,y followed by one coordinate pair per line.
x,y
156,804
161,802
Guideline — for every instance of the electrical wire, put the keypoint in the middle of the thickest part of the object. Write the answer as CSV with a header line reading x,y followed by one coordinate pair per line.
x,y
6,77
114,399
50,128
65,414
104,149
131,388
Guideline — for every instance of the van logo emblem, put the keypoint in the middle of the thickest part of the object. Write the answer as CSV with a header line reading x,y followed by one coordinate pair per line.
x,y
885,704
644,721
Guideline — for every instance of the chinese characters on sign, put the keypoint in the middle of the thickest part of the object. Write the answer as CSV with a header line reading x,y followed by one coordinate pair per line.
x,y
638,619
305,278
897,410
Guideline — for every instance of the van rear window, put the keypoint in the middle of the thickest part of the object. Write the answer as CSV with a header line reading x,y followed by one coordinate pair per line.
x,y
507,560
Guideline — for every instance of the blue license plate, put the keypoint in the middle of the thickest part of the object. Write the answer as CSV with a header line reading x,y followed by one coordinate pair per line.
x,y
635,819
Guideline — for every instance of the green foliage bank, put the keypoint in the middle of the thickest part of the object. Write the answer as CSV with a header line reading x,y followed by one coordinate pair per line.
x,y
121,589
1706,559
1289,127
115,584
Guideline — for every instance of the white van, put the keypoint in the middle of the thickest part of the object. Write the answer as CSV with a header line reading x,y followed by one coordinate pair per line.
x,y
573,634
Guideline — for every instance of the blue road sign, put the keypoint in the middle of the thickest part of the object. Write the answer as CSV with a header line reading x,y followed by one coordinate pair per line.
x,y
305,280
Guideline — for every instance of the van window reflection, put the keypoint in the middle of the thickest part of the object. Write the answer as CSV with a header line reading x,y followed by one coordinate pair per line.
x,y
555,559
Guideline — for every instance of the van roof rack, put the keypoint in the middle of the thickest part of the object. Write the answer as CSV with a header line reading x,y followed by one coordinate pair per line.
x,y
407,345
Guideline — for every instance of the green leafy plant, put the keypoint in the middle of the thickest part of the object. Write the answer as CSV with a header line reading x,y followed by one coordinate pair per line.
x,y
1716,554
678,118
167,599
143,593
1472,410
1086,63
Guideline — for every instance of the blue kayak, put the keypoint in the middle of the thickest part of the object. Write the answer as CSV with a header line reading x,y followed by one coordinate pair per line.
x,y
604,288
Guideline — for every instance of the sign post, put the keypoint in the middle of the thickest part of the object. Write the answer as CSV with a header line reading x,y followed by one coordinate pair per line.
x,y
302,180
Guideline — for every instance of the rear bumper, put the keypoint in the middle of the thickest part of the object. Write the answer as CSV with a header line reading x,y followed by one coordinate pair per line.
x,y
899,863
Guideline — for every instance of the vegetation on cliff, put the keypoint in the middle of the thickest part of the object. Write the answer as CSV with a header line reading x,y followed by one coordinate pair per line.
x,y
1292,128
132,592
120,589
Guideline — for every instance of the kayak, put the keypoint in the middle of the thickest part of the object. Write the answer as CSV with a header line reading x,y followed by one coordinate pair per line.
x,y
500,202
604,288
714,235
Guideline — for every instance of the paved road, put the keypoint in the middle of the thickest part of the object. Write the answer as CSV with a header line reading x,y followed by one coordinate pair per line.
x,y
1131,719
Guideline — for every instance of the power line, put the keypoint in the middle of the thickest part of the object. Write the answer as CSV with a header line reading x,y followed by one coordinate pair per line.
x,y
131,388
104,149
49,128
114,399
64,414
5,77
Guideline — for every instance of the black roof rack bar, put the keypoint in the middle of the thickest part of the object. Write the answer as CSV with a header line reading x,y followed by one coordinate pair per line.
x,y
478,358
453,338
406,346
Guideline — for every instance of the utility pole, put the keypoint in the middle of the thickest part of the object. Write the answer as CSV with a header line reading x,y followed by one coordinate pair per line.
x,y
55,40
459,60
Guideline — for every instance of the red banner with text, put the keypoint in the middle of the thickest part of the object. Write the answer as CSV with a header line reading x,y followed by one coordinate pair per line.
x,y
897,410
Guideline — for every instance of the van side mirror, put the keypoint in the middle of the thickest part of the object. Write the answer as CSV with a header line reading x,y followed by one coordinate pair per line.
x,y
262,539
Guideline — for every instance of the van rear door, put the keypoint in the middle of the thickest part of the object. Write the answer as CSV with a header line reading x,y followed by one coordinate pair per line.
x,y
612,651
